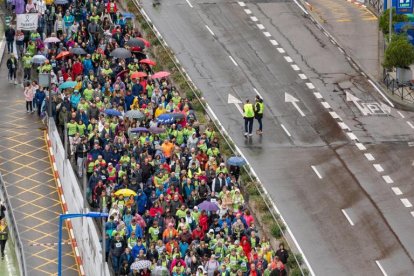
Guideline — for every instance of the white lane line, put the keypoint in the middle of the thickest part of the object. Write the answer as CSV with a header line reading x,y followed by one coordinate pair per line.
x,y
189,3
281,50
381,268
254,18
334,115
257,92
310,85
295,67
288,59
234,62
402,115
396,191
274,42
247,11
347,217
410,124
325,33
304,11
318,95
260,26
343,126
412,213
267,34
342,51
369,156
284,128
242,4
382,94
303,76
360,146
352,136
406,202
378,167
211,32
326,105
316,171
387,179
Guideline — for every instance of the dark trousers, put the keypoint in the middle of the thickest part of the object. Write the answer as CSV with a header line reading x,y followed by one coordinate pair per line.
x,y
248,125
2,246
29,106
12,74
10,46
27,73
259,120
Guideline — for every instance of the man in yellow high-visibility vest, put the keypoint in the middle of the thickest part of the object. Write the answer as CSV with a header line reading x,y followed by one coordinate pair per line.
x,y
248,118
258,113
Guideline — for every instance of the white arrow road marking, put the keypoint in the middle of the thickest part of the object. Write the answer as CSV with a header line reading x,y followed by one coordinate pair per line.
x,y
293,100
316,171
233,100
347,217
351,98
381,268
385,108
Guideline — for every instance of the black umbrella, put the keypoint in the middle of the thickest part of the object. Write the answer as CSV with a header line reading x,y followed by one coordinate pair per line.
x,y
121,53
78,51
135,42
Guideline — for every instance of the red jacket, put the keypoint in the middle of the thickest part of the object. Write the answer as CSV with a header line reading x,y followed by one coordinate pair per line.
x,y
77,69
111,9
198,235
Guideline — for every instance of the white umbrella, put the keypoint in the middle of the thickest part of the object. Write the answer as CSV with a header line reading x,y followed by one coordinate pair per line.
x,y
52,39
140,264
38,59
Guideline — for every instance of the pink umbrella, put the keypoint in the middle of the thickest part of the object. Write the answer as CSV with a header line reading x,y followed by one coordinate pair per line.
x,y
159,75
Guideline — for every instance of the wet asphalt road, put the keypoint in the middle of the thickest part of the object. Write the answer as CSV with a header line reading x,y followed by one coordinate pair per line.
x,y
239,58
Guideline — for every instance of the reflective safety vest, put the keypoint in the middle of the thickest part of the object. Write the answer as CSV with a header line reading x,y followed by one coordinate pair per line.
x,y
261,107
248,110
72,128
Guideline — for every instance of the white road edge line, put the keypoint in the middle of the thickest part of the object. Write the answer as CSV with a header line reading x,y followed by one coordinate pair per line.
x,y
287,132
303,9
211,32
378,167
397,191
369,156
381,268
189,3
257,92
402,115
387,179
379,91
234,62
347,217
406,202
360,146
316,171
410,124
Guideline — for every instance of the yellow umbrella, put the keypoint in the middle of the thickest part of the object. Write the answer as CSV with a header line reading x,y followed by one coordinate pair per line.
x,y
125,192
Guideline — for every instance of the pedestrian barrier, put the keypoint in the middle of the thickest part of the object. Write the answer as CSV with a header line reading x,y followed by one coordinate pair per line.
x,y
84,230
14,236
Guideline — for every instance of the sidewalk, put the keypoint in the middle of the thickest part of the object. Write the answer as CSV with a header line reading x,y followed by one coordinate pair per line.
x,y
354,27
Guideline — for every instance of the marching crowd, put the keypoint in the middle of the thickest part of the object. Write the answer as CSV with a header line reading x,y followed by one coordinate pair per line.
x,y
174,205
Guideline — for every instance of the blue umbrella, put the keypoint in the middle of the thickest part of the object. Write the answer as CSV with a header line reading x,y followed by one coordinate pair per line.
x,y
113,112
208,206
67,84
139,129
236,161
156,130
166,119
61,2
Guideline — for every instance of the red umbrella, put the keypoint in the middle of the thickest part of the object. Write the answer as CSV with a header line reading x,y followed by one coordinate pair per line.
x,y
122,73
63,54
148,61
137,75
146,42
161,74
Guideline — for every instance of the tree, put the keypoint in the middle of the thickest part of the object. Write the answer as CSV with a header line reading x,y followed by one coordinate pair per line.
x,y
384,19
399,53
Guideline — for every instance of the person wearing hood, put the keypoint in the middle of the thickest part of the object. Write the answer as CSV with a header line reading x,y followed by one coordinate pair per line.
x,y
75,99
39,97
141,202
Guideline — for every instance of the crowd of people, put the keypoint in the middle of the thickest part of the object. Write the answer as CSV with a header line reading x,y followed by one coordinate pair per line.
x,y
175,206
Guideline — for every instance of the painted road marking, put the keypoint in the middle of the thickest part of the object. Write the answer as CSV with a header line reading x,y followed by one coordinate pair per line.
x,y
402,115
303,76
281,50
274,42
381,268
189,3
254,18
352,136
257,92
387,179
410,124
295,67
396,191
369,156
211,32
267,34
360,146
382,94
305,12
343,126
378,167
316,171
334,115
310,85
347,217
293,100
288,59
406,202
260,26
248,11
234,62
325,105
242,4
340,49
318,95
284,128
412,213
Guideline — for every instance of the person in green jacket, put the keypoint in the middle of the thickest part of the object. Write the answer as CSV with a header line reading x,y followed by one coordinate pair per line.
x,y
4,235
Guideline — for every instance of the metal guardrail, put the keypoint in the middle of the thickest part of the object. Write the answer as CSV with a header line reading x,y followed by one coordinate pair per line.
x,y
404,90
13,231
377,6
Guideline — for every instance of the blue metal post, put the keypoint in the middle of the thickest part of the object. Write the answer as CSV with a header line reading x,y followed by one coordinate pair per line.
x,y
61,218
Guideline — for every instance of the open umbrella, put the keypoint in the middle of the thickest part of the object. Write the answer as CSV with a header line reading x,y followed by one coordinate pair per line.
x,y
121,53
113,112
78,51
67,84
135,42
177,116
160,271
137,75
236,161
61,2
148,61
161,74
141,264
38,59
125,192
146,42
63,54
156,130
135,114
208,206
52,39
139,129
166,119
122,73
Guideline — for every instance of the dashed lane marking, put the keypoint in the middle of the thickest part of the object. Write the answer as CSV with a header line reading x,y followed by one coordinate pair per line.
x,y
406,202
396,191
310,85
274,42
360,146
378,167
189,3
260,26
348,217
295,67
303,76
285,130
288,59
369,156
402,115
381,268
247,11
387,179
267,34
410,124
316,172
281,50
254,18
234,62
211,32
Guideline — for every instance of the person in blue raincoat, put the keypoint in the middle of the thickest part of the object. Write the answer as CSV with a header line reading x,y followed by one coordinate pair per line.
x,y
39,97
141,202
75,99
87,65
